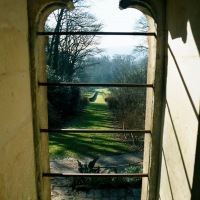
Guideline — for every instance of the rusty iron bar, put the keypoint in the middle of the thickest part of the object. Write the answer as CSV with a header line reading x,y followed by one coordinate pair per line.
x,y
56,131
99,33
96,84
92,175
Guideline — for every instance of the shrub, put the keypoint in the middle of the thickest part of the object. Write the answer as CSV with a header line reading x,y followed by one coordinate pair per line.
x,y
84,102
105,182
54,117
87,168
133,170
62,101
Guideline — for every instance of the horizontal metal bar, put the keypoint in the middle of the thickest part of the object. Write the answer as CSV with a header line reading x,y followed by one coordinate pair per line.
x,y
96,84
92,175
99,33
56,131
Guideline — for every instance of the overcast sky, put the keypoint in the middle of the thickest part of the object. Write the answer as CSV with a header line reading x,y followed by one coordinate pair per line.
x,y
115,19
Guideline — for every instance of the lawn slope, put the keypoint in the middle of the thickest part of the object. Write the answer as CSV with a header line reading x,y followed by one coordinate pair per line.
x,y
77,145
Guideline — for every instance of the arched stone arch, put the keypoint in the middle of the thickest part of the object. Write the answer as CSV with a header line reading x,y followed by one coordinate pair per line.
x,y
143,6
48,8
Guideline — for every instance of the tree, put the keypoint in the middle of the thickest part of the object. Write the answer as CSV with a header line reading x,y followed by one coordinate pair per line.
x,y
101,70
68,54
141,25
68,57
128,104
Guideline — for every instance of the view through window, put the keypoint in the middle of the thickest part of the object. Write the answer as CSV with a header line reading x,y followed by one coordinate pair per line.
x,y
96,93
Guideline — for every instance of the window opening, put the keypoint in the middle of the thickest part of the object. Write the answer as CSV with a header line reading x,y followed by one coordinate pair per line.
x,y
79,72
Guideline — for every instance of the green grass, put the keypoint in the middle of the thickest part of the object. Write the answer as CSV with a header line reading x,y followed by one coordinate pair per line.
x,y
77,145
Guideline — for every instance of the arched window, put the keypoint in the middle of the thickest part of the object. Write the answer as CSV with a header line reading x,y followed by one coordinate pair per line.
x,y
66,45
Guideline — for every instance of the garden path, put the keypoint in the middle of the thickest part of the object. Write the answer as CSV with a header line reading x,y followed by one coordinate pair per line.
x,y
69,165
60,191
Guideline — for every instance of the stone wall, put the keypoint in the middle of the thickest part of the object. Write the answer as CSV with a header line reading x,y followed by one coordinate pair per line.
x,y
179,133
176,132
180,145
17,168
23,105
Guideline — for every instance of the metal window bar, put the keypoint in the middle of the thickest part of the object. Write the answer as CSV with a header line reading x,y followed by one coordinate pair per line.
x,y
93,175
99,33
96,84
57,131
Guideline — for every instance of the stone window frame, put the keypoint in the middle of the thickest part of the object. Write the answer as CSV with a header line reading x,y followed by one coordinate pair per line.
x,y
154,100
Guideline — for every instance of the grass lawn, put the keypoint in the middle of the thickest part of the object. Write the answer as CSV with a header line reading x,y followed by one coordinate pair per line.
x,y
80,145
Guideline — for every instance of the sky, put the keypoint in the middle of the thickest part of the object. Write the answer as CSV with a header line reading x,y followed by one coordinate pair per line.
x,y
114,19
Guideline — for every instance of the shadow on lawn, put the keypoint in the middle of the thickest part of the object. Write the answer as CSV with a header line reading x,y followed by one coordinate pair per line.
x,y
96,116
88,145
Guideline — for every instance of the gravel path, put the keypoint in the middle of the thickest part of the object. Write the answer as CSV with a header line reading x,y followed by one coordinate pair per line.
x,y
70,164
60,191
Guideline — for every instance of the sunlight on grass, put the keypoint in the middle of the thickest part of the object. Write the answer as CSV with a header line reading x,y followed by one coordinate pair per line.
x,y
100,100
105,90
95,116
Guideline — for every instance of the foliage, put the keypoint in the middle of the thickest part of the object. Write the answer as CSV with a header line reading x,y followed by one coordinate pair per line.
x,y
128,104
133,170
100,71
62,101
106,182
67,59
68,54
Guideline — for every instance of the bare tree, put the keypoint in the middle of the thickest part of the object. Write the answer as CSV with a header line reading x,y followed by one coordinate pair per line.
x,y
68,57
141,25
128,104
68,54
